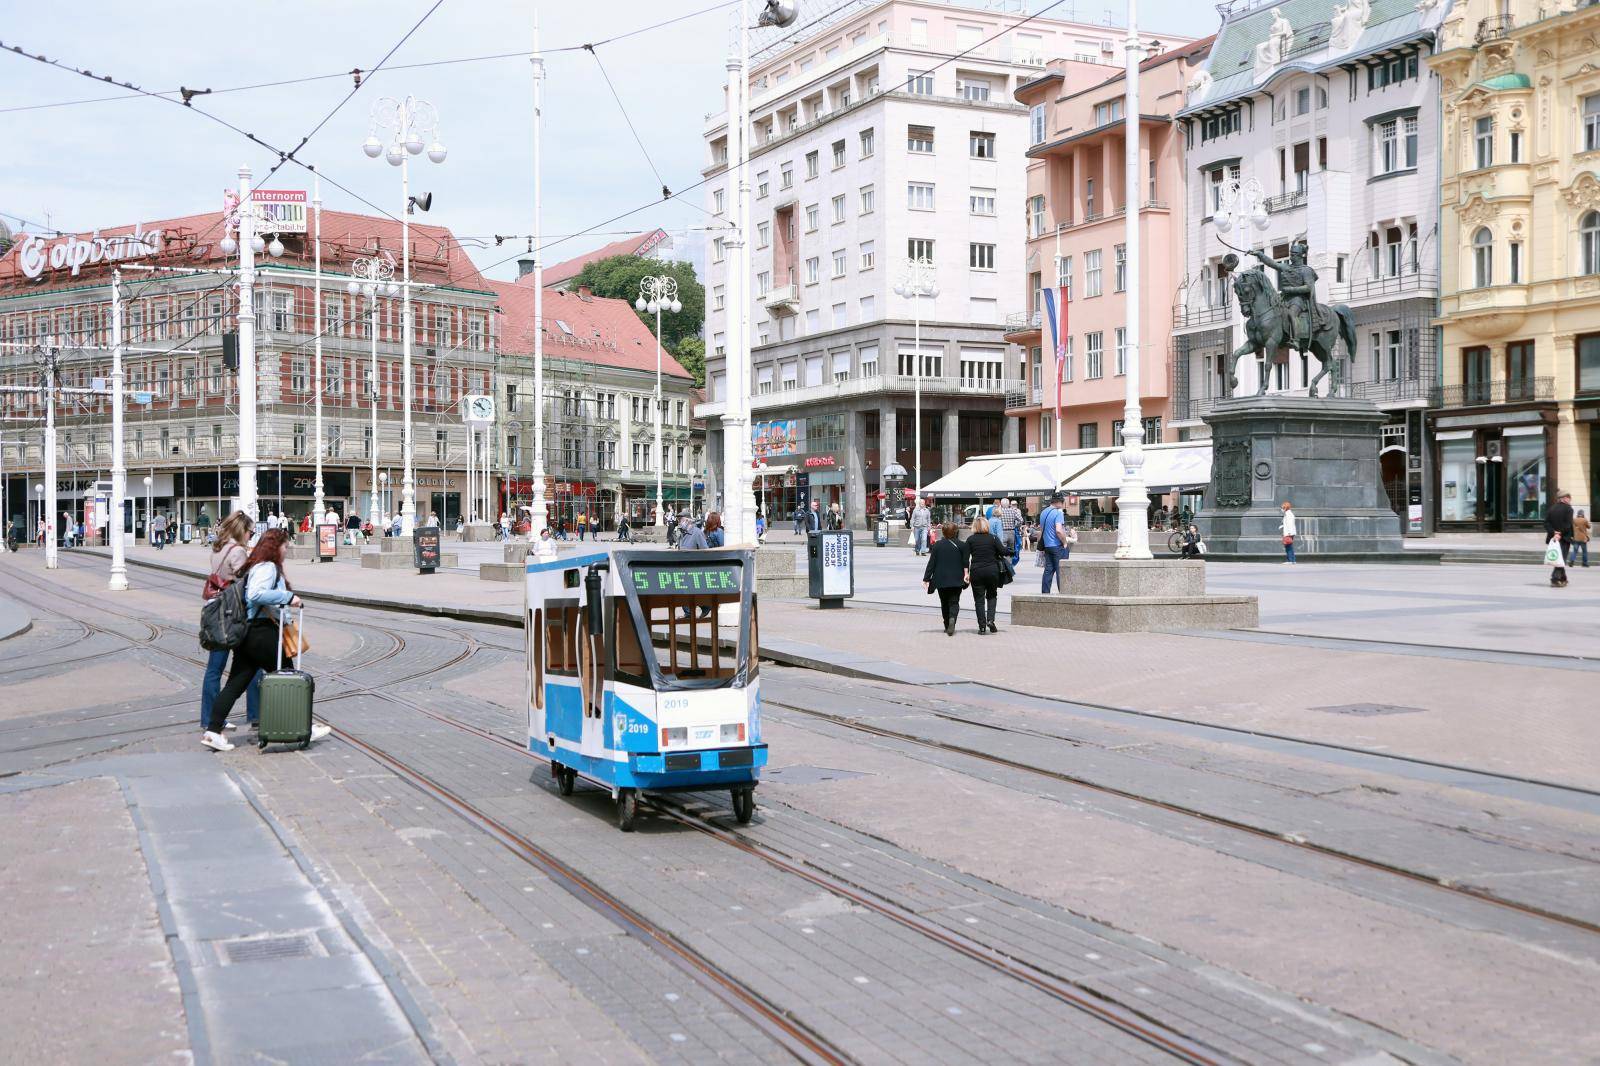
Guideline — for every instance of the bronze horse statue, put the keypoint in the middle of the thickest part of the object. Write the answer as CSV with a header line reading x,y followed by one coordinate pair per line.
x,y
1268,328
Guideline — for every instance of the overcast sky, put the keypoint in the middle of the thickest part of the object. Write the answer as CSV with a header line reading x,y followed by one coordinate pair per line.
x,y
122,161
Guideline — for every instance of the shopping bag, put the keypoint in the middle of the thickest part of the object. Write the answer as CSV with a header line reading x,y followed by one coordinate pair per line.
x,y
1552,553
295,642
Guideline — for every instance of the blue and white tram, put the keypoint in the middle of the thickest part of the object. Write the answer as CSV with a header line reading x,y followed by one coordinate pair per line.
x,y
628,683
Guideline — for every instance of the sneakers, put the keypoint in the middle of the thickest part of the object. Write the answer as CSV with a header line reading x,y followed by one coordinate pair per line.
x,y
216,741
318,731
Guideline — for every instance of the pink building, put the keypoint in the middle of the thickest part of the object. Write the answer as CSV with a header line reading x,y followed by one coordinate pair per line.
x,y
1076,198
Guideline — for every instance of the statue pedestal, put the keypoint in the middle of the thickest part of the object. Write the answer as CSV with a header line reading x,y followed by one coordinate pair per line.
x,y
1319,454
1101,595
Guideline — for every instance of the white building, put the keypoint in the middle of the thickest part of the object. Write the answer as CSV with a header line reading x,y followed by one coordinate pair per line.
x,y
890,132
1333,110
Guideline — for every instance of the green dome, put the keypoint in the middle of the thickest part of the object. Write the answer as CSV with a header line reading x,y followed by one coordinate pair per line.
x,y
1507,81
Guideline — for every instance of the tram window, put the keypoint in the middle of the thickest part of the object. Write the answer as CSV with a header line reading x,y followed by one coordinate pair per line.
x,y
561,638
536,657
753,652
630,657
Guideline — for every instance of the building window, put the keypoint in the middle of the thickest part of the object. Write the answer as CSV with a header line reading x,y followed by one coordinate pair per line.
x,y
297,440
1108,112
839,263
440,445
1483,139
919,139
716,249
1589,242
812,215
1515,262
920,248
333,378
980,256
919,195
1483,258
838,208
1516,146
811,165
1591,123
1089,211
1589,363
981,145
1388,146
1302,101
869,308
980,369
868,255
1121,273
974,90
869,199
838,154
869,361
932,362
839,316
981,201
297,376
1036,124
1088,434
1122,350
869,142
786,176
718,198
920,83
761,185
1036,216
1091,274
282,312
813,269
1094,355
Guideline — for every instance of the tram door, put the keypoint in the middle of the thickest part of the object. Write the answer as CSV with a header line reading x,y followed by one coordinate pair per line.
x,y
592,677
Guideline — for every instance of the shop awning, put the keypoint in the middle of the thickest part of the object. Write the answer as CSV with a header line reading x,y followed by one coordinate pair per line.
x,y
1033,474
1167,468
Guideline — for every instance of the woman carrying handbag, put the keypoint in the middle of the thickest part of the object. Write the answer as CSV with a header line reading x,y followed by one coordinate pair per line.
x,y
988,567
946,573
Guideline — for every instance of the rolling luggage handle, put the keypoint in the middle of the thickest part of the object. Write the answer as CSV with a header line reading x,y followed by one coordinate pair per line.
x,y
295,663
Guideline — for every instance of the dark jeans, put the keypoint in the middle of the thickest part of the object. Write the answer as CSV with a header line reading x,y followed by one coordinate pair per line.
x,y
258,651
950,604
1288,550
213,682
1576,549
985,590
1052,566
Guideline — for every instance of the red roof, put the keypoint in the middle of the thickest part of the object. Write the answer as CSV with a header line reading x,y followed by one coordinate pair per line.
x,y
192,241
565,271
598,329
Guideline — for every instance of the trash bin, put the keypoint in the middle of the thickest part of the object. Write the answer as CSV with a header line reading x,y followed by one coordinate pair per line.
x,y
188,532
881,539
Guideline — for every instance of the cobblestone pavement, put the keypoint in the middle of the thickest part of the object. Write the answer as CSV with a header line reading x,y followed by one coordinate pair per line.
x,y
937,888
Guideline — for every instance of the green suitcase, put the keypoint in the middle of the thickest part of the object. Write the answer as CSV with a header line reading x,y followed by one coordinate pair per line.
x,y
286,698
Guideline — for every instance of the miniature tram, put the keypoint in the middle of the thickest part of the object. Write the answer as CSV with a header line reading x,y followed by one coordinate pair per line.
x,y
629,686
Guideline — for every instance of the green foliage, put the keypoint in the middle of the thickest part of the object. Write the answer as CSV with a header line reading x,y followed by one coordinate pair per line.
x,y
691,352
618,276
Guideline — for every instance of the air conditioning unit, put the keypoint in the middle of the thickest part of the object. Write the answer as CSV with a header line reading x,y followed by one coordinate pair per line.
x,y
1106,48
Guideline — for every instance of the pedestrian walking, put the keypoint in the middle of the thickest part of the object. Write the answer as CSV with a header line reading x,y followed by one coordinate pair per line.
x,y
1289,533
705,536
1010,534
67,526
266,590
1558,530
158,530
1055,542
761,527
623,529
227,557
814,517
986,562
921,523
799,520
505,526
1580,540
946,574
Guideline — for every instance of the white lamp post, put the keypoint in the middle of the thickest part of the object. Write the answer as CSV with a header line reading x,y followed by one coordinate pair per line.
x,y
149,502
1133,504
119,471
251,222
373,276
1242,206
918,278
49,357
658,293
383,490
38,507
410,123
537,520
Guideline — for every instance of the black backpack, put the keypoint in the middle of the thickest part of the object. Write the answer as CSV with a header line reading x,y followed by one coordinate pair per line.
x,y
224,619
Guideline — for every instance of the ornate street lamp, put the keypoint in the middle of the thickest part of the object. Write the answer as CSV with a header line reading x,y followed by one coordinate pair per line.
x,y
657,294
918,278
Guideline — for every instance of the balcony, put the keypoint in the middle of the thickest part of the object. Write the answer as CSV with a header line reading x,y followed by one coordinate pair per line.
x,y
1022,321
1310,39
1485,393
1397,391
784,300
1493,28
1023,396
1183,317
1286,202
1400,284
1193,410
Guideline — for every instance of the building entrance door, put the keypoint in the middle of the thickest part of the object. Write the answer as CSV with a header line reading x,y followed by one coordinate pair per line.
x,y
1491,482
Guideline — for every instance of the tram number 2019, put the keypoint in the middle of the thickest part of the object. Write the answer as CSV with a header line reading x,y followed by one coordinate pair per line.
x,y
675,703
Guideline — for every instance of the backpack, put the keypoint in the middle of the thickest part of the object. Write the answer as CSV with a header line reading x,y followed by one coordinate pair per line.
x,y
224,619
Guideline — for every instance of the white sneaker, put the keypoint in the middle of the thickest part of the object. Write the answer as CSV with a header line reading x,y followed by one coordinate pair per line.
x,y
231,725
318,731
216,741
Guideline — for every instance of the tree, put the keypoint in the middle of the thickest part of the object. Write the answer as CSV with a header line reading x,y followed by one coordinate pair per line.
x,y
618,276
692,354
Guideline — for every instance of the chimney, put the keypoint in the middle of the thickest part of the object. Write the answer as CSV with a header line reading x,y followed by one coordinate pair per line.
x,y
585,293
525,267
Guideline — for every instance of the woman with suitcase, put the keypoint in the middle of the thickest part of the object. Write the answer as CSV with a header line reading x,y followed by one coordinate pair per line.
x,y
266,592
227,559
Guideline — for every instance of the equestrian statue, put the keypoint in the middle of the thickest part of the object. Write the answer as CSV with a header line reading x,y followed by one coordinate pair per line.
x,y
1290,317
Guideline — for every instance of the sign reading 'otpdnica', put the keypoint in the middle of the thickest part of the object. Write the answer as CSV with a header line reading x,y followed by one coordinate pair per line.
x,y
35,254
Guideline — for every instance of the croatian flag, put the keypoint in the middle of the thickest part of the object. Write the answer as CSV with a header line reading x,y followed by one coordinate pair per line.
x,y
1058,331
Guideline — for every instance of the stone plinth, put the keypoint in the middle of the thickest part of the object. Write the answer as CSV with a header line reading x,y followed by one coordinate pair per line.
x,y
387,560
479,531
502,571
778,574
1319,454
1134,596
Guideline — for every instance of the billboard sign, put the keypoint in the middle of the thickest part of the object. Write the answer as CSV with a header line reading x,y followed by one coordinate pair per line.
x,y
776,438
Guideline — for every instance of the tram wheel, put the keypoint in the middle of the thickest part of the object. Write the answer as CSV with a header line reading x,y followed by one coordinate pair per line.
x,y
627,808
566,777
744,804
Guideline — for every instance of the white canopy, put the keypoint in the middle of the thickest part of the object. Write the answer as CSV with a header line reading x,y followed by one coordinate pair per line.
x,y
1030,474
1167,467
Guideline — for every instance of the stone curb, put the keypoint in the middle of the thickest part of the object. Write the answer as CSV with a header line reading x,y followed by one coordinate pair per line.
x,y
14,619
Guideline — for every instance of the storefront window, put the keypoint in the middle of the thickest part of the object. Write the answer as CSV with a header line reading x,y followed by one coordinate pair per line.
x,y
1458,480
1525,468
1589,363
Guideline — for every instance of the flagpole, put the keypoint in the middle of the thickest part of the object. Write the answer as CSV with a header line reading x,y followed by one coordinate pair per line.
x,y
1060,331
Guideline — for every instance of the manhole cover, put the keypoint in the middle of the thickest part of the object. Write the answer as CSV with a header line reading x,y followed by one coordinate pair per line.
x,y
1368,710
808,775
268,949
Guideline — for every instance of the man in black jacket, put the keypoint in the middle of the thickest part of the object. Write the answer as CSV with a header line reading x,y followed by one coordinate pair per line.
x,y
1558,524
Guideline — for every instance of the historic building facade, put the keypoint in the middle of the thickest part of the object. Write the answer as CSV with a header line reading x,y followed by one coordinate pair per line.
x,y
1325,116
182,404
888,133
1520,308
1076,212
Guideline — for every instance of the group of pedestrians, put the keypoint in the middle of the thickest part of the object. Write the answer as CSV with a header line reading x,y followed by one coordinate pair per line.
x,y
1566,538
242,553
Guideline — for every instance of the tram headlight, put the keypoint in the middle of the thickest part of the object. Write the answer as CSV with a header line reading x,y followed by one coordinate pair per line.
x,y
671,735
733,732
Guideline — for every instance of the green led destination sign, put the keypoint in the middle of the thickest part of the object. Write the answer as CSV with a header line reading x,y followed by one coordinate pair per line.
x,y
714,579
